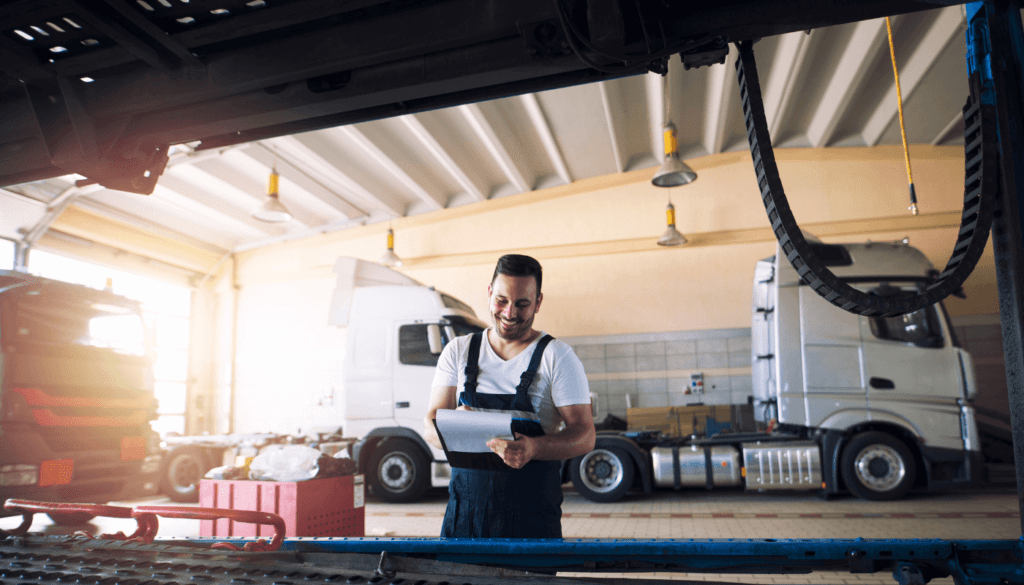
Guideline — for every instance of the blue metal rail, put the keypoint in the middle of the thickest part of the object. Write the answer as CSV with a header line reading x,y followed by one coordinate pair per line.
x,y
971,562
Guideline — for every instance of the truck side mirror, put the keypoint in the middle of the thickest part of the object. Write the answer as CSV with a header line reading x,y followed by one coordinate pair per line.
x,y
434,338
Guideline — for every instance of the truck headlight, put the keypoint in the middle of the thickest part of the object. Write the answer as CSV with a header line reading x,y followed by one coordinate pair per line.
x,y
19,475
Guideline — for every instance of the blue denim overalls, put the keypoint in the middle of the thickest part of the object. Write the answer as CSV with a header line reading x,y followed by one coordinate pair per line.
x,y
520,503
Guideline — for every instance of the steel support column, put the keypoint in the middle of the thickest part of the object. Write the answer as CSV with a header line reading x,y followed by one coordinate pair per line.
x,y
996,26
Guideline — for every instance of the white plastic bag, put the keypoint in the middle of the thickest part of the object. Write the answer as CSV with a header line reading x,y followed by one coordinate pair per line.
x,y
287,463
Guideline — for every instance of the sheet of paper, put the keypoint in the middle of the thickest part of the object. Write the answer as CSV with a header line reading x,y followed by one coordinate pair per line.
x,y
468,431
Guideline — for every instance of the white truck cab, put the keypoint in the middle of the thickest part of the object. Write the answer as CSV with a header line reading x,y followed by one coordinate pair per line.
x,y
902,379
396,328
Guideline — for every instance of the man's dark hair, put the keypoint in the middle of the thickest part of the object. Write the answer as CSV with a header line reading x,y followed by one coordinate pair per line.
x,y
518,265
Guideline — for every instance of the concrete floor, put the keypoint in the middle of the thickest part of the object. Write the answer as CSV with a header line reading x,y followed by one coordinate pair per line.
x,y
978,514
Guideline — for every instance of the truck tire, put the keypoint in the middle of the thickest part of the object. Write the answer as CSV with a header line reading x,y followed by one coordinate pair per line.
x,y
183,469
878,466
398,471
70,518
603,475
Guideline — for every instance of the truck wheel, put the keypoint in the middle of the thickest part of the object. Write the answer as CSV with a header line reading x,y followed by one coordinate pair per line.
x,y
398,471
70,518
184,468
878,466
603,475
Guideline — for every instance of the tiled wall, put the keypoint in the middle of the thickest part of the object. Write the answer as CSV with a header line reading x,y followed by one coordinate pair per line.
x,y
654,369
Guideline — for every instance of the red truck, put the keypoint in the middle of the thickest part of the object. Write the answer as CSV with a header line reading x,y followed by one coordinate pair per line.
x,y
76,395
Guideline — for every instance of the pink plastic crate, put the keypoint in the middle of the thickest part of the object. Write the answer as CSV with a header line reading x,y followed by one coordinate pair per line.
x,y
317,507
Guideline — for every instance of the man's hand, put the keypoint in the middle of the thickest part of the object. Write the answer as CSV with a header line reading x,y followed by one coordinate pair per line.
x,y
516,453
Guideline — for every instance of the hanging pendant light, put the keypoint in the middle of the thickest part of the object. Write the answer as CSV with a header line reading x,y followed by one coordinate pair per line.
x,y
272,210
671,237
673,172
390,259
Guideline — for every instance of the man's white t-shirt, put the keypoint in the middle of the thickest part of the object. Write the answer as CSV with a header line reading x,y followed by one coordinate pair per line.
x,y
560,379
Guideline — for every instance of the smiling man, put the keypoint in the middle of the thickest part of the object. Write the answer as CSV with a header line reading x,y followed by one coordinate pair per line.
x,y
511,367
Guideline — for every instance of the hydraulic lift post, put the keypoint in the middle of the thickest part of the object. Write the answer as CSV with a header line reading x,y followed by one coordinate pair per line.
x,y
1000,22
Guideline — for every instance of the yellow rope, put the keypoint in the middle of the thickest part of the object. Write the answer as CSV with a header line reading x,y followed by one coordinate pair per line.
x,y
899,107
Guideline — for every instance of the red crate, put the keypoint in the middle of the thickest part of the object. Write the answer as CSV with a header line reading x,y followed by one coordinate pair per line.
x,y
317,507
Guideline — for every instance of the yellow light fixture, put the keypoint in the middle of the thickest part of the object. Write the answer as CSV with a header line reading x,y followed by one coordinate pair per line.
x,y
673,171
390,259
272,210
671,237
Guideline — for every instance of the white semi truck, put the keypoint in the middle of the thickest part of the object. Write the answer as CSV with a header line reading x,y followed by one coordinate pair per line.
x,y
875,406
392,330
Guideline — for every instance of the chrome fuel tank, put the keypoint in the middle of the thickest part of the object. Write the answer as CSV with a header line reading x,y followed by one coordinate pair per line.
x,y
692,465
782,466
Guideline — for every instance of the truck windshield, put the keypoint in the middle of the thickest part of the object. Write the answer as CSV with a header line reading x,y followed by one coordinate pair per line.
x,y
454,303
50,319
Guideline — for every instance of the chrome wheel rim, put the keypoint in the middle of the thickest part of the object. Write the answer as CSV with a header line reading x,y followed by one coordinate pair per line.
x,y
880,468
601,471
396,472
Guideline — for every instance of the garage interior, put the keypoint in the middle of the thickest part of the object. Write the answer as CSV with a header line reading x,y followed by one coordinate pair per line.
x,y
466,144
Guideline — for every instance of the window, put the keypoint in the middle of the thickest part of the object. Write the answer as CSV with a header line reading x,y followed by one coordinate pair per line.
x,y
454,303
920,328
457,327
51,316
414,346
166,311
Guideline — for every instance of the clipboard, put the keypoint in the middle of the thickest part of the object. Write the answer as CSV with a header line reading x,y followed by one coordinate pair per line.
x,y
464,435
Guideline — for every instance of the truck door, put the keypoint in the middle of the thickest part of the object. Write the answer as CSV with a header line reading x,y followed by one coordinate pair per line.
x,y
414,373
912,372
368,373
831,343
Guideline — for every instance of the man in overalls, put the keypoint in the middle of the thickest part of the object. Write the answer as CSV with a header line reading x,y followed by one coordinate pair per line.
x,y
511,367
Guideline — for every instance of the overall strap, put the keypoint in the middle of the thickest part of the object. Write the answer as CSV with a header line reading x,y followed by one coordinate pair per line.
x,y
472,364
527,377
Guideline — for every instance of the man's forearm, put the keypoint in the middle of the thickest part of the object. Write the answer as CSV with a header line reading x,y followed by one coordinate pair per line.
x,y
430,432
565,444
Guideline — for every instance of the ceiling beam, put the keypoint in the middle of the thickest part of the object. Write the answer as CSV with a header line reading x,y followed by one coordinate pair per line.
x,y
267,157
788,61
90,225
721,87
301,156
381,158
609,118
434,148
948,24
485,132
957,120
865,43
543,128
655,99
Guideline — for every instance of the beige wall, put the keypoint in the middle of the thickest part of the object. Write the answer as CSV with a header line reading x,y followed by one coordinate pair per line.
x,y
604,274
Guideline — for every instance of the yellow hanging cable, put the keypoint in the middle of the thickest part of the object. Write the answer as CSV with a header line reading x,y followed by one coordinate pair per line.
x,y
903,131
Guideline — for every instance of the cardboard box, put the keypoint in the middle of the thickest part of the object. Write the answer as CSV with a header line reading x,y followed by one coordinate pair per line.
x,y
678,421
317,507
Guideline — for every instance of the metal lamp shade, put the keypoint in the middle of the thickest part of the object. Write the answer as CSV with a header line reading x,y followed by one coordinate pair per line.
x,y
673,172
272,211
671,237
